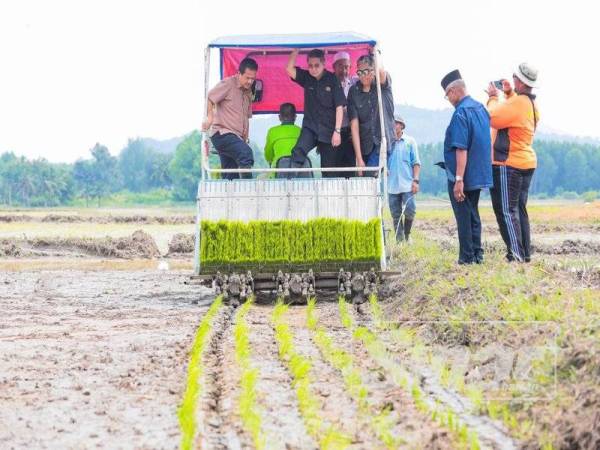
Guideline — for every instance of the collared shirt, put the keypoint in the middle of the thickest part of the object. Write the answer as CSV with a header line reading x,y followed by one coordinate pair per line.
x,y
234,107
347,83
513,125
469,129
281,139
364,107
404,156
321,98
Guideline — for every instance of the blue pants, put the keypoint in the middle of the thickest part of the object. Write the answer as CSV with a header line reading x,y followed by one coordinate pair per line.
x,y
234,154
468,223
399,203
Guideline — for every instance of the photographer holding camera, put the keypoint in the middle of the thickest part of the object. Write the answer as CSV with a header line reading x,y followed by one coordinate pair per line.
x,y
513,123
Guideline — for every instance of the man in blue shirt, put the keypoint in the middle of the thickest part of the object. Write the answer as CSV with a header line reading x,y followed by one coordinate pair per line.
x,y
468,161
404,166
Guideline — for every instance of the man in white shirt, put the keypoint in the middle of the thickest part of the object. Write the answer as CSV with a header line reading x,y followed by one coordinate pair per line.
x,y
341,68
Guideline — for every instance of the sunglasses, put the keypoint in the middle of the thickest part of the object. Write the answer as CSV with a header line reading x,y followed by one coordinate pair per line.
x,y
364,72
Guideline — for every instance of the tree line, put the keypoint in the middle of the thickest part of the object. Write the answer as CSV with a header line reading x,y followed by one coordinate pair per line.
x,y
564,169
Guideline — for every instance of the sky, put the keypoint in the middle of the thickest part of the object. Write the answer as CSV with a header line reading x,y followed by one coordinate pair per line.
x,y
77,72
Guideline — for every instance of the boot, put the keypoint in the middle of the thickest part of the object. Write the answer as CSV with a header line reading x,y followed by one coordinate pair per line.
x,y
399,229
407,226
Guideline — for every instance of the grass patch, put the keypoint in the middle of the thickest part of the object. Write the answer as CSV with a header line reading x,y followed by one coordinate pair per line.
x,y
536,305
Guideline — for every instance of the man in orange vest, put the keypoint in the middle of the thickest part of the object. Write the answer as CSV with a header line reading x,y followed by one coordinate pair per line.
x,y
513,123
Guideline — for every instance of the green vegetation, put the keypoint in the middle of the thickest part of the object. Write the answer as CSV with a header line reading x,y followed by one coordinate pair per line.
x,y
248,407
563,167
328,436
187,410
295,242
343,361
553,316
145,165
445,416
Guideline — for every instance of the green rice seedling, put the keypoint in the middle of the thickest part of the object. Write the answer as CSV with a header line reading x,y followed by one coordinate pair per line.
x,y
187,410
344,363
345,316
248,407
327,435
378,351
475,395
289,242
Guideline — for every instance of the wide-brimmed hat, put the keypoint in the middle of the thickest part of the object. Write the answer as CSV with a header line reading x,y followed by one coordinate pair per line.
x,y
527,74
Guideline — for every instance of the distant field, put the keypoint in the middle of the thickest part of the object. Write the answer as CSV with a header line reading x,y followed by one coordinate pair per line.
x,y
552,211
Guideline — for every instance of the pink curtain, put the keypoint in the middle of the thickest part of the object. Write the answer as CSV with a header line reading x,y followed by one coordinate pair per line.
x,y
278,88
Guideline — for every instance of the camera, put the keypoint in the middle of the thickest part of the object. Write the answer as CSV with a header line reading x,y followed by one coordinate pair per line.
x,y
498,84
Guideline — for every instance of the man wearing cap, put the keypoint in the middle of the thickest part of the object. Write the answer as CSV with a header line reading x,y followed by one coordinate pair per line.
x,y
514,122
468,164
404,166
341,69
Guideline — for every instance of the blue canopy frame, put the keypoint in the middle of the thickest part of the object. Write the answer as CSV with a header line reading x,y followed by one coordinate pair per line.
x,y
293,40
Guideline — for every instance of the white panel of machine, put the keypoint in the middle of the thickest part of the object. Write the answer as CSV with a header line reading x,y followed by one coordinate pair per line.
x,y
297,199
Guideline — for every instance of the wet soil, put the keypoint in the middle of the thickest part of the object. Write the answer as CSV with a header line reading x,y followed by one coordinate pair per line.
x,y
94,359
74,218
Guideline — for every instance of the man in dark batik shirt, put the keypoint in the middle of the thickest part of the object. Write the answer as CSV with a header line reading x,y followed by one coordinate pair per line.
x,y
324,102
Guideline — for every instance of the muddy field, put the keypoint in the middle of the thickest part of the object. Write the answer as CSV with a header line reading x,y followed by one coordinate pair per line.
x,y
100,319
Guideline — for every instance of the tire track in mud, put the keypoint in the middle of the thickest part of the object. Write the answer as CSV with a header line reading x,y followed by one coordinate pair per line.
x,y
414,428
491,434
281,417
221,427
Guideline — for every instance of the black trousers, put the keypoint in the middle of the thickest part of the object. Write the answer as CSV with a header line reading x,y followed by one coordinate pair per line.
x,y
330,157
509,199
468,224
346,156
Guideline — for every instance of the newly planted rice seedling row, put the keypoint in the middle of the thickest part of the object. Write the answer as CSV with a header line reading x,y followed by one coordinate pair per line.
x,y
379,352
287,241
344,362
187,410
248,407
328,436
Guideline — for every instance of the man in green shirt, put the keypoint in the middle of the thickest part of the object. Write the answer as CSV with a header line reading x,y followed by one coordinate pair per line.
x,y
281,139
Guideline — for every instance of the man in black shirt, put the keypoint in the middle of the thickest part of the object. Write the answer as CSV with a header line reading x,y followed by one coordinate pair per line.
x,y
324,102
363,112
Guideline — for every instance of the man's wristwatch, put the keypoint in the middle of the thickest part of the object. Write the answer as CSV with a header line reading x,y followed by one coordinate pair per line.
x,y
416,180
338,130
458,178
